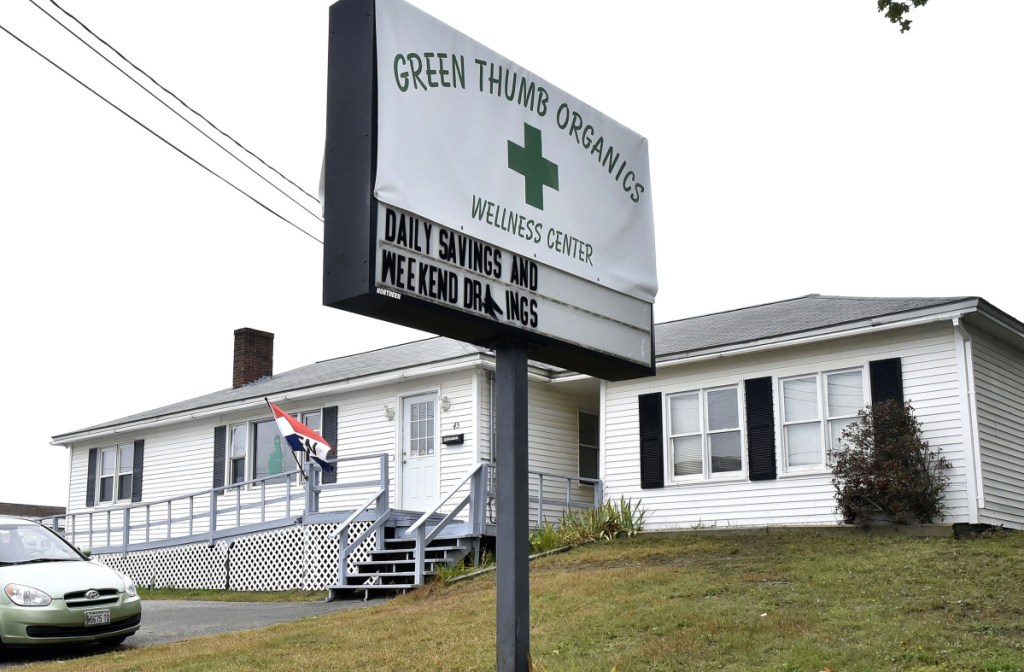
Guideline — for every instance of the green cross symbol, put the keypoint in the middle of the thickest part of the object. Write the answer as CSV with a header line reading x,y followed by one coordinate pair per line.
x,y
528,162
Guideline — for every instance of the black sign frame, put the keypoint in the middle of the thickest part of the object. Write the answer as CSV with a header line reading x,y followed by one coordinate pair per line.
x,y
350,217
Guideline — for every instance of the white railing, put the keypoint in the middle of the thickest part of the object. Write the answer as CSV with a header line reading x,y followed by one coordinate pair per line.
x,y
476,499
567,493
551,495
279,500
209,515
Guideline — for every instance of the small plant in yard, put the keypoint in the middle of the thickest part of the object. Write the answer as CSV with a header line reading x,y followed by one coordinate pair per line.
x,y
445,573
546,538
882,468
610,520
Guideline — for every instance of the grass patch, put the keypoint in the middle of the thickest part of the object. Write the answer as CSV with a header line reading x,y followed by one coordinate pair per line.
x,y
789,602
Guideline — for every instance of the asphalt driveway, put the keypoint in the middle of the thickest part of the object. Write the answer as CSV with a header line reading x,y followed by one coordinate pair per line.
x,y
165,621
174,620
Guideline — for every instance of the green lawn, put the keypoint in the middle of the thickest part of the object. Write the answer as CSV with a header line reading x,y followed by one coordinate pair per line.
x,y
783,601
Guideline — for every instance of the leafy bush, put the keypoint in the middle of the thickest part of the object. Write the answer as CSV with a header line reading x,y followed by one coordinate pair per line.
x,y
882,468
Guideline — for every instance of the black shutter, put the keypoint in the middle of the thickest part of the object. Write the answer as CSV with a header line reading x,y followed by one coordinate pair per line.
x,y
652,442
220,443
760,429
329,430
90,480
137,471
886,380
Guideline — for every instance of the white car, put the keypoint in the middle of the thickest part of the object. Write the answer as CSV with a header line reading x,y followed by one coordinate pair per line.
x,y
50,593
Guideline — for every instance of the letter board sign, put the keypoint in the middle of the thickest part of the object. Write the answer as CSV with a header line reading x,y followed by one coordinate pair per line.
x,y
468,197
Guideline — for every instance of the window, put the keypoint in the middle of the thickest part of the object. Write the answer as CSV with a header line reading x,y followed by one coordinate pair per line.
x,y
421,428
117,464
845,400
260,445
589,448
312,420
814,417
268,448
237,448
801,422
704,433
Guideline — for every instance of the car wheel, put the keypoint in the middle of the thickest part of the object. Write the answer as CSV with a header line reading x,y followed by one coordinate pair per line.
x,y
113,641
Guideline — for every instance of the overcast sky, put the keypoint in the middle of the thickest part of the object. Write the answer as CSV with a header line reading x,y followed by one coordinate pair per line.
x,y
798,147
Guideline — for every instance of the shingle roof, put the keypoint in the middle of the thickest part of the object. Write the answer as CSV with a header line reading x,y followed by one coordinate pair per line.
x,y
29,510
695,334
375,362
781,318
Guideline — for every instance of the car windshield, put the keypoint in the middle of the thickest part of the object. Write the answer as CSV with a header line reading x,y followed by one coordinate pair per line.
x,y
24,543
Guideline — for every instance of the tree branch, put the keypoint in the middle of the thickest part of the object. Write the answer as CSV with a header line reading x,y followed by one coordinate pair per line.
x,y
896,11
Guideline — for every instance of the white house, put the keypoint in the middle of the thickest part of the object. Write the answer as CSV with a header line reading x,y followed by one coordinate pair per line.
x,y
412,429
732,431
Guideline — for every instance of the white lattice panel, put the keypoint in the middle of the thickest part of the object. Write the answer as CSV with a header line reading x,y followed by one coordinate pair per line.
x,y
294,558
322,548
361,552
137,566
268,561
195,567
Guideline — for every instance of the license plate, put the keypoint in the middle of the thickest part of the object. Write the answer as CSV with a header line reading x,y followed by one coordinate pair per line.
x,y
97,617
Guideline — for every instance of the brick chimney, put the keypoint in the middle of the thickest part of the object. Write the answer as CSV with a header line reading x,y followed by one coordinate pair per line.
x,y
254,356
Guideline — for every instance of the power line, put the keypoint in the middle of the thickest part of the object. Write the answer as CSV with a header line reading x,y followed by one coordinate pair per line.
x,y
160,137
178,114
170,93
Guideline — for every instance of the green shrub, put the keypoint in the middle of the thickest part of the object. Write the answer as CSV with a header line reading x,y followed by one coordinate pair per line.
x,y
882,468
576,528
445,573
546,538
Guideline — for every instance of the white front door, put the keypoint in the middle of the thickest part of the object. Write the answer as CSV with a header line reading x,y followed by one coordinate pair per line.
x,y
420,476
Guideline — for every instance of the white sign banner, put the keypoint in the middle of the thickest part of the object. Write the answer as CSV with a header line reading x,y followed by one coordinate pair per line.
x,y
544,176
424,260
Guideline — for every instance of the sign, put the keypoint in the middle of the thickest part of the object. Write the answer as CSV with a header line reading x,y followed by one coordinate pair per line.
x,y
422,259
466,196
453,439
469,139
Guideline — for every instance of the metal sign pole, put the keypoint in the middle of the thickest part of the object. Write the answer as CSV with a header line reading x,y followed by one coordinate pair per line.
x,y
513,547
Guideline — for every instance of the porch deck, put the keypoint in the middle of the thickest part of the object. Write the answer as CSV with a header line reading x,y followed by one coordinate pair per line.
x,y
315,517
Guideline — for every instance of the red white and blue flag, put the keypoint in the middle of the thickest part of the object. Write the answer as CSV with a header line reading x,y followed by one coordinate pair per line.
x,y
302,439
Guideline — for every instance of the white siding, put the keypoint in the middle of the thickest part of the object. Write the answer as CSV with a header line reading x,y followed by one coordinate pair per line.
x,y
461,418
999,393
364,430
178,458
554,435
485,399
930,383
554,451
78,474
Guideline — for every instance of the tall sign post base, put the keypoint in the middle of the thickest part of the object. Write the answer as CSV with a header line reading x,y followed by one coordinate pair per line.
x,y
513,542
